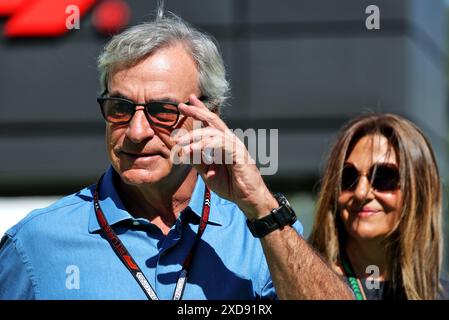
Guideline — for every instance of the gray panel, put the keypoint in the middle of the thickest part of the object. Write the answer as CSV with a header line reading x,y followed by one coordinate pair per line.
x,y
426,88
237,61
203,11
53,81
51,160
426,101
431,20
310,77
263,11
302,154
197,12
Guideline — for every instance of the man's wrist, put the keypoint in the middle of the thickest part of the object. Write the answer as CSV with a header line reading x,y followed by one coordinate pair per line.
x,y
282,215
261,209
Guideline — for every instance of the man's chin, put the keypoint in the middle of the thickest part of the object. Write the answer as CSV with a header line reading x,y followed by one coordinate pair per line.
x,y
137,177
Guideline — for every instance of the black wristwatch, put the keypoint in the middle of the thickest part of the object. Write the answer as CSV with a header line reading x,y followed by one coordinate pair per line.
x,y
278,217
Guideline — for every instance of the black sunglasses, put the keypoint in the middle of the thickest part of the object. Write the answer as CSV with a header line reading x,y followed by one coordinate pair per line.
x,y
117,110
382,176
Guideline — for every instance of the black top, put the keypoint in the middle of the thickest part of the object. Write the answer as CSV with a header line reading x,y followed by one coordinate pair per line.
x,y
445,294
381,290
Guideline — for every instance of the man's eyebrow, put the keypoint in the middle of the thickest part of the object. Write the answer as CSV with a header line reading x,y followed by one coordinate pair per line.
x,y
166,99
117,94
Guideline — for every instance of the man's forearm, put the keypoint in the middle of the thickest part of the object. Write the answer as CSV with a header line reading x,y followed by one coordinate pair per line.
x,y
298,272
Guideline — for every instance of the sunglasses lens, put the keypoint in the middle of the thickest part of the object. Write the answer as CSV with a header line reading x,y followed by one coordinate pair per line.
x,y
349,179
117,111
386,178
163,114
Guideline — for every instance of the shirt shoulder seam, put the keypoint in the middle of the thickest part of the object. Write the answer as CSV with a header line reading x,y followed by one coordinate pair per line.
x,y
37,214
28,265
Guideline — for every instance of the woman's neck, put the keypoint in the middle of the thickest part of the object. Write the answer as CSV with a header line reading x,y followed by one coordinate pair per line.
x,y
365,253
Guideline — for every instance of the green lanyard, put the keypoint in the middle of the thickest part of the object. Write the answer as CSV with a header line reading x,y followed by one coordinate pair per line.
x,y
352,279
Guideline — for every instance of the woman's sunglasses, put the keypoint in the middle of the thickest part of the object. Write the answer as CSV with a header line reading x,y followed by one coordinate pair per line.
x,y
382,176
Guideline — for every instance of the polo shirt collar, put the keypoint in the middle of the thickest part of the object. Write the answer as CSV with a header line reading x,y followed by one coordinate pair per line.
x,y
115,212
197,201
110,203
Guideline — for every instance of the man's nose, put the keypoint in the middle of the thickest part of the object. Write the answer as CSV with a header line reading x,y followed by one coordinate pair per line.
x,y
363,188
139,129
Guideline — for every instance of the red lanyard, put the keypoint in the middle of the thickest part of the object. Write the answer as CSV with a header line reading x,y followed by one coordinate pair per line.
x,y
130,263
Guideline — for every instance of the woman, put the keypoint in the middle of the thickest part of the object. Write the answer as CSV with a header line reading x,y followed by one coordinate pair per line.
x,y
379,210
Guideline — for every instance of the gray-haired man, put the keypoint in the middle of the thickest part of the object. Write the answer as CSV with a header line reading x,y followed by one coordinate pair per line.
x,y
154,229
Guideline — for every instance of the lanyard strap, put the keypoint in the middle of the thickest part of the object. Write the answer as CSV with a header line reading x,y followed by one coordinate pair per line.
x,y
130,263
180,284
354,283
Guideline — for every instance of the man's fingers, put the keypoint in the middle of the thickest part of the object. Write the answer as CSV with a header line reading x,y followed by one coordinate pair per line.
x,y
196,135
199,111
194,100
203,147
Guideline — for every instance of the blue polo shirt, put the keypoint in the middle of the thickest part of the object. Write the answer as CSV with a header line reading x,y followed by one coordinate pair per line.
x,y
60,252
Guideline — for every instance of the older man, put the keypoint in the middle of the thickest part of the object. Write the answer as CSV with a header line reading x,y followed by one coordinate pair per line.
x,y
153,227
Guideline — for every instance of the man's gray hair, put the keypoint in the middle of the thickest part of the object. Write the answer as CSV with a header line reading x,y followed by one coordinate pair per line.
x,y
138,42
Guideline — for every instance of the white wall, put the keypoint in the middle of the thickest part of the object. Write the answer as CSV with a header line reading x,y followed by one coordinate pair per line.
x,y
15,208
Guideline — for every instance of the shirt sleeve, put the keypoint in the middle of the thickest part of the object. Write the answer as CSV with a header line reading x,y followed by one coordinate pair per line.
x,y
15,281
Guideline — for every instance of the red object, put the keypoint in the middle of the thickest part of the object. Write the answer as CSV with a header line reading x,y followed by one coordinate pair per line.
x,y
129,261
7,7
41,18
111,16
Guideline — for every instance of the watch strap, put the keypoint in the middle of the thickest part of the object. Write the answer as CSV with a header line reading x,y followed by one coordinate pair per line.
x,y
278,218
